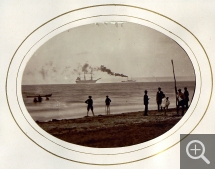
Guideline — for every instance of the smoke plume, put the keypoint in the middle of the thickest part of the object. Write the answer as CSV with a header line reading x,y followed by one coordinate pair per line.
x,y
108,71
86,68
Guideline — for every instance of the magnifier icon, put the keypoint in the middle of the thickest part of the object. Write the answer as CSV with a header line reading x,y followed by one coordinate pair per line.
x,y
202,149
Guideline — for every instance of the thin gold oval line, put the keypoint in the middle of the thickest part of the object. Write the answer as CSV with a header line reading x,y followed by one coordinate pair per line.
x,y
108,21
98,6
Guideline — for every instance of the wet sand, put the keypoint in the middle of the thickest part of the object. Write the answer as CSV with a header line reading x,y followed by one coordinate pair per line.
x,y
118,130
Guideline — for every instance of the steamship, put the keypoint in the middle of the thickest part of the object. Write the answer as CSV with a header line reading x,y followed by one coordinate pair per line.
x,y
85,81
129,81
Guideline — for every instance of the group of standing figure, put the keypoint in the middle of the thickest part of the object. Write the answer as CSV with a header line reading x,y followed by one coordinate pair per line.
x,y
182,99
39,99
89,103
163,101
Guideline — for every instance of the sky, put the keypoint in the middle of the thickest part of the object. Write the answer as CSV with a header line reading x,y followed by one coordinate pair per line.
x,y
125,49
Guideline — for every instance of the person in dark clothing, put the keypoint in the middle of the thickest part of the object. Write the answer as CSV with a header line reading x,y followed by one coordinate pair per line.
x,y
90,105
35,100
186,97
40,98
159,97
180,99
107,107
146,102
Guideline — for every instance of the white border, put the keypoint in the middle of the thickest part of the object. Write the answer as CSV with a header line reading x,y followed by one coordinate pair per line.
x,y
122,155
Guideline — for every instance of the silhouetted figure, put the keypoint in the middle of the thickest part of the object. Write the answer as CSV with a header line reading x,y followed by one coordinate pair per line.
x,y
186,95
165,104
35,100
146,102
90,105
180,99
159,98
40,98
107,107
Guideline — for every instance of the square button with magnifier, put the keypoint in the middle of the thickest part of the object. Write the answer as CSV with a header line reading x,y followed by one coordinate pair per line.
x,y
197,151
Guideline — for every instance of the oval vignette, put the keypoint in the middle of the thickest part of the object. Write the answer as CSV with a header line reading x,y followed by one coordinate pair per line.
x,y
120,60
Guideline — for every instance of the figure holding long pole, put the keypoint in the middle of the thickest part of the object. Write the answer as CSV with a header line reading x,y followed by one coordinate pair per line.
x,y
176,100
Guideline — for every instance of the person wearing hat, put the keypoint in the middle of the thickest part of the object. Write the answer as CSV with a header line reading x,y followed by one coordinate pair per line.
x,y
107,107
90,105
159,97
180,99
146,102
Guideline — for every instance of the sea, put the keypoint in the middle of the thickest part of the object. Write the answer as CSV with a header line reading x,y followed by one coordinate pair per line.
x,y
68,100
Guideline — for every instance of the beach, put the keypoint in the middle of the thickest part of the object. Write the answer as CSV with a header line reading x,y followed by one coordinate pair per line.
x,y
114,130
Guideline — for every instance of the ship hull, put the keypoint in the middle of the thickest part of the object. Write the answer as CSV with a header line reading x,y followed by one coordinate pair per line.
x,y
86,81
129,81
47,95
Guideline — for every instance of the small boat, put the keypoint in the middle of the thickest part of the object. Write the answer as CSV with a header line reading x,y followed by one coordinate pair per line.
x,y
38,98
46,95
129,81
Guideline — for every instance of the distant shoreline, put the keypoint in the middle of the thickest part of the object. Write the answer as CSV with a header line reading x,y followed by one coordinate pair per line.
x,y
116,130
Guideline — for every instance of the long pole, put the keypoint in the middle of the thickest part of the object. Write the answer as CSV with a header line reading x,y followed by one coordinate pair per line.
x,y
175,83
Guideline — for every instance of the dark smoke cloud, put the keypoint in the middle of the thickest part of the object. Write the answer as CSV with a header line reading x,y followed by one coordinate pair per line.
x,y
108,71
86,68
121,75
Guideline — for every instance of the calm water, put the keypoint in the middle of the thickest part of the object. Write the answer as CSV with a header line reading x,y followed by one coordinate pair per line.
x,y
67,101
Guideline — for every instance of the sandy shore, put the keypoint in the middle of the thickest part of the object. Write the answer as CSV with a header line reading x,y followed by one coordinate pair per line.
x,y
113,130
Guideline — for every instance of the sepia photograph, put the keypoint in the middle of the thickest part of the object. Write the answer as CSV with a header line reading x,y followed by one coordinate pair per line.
x,y
109,84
